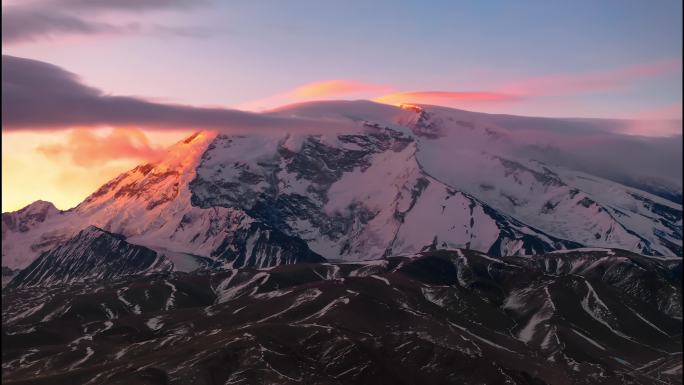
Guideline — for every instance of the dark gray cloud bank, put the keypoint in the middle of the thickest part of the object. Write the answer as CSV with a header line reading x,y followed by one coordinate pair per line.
x,y
39,95
49,19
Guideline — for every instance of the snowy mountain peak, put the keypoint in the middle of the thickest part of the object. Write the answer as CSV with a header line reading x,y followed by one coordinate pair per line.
x,y
382,181
150,185
39,206
411,107
24,219
38,211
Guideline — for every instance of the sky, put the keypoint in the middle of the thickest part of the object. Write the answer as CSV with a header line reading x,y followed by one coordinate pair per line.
x,y
152,71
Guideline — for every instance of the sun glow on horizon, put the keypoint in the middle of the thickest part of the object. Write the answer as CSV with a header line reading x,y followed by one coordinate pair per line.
x,y
54,166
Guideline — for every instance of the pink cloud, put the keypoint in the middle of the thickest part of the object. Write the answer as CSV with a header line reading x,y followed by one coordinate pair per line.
x,y
671,111
662,121
563,84
437,97
659,128
539,87
508,92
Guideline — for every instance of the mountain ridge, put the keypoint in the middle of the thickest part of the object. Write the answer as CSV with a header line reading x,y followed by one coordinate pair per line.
x,y
443,316
342,191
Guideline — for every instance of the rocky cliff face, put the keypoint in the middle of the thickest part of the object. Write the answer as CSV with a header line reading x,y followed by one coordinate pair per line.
x,y
94,255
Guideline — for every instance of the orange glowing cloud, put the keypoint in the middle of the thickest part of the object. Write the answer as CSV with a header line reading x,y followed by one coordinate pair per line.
x,y
334,88
344,88
324,89
87,148
442,97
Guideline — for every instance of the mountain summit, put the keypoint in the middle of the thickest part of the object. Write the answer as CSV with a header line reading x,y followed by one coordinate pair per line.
x,y
373,181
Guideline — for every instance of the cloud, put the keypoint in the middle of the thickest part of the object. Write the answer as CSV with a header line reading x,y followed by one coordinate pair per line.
x,y
127,5
319,90
40,20
440,97
608,80
540,87
86,148
19,24
30,86
39,95
335,88
532,89
38,164
663,122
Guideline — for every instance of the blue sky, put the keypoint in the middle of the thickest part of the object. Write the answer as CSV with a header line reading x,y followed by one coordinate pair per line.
x,y
247,52
605,58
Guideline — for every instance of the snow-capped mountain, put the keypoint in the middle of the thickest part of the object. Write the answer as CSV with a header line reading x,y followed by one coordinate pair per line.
x,y
92,254
553,192
96,255
374,181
